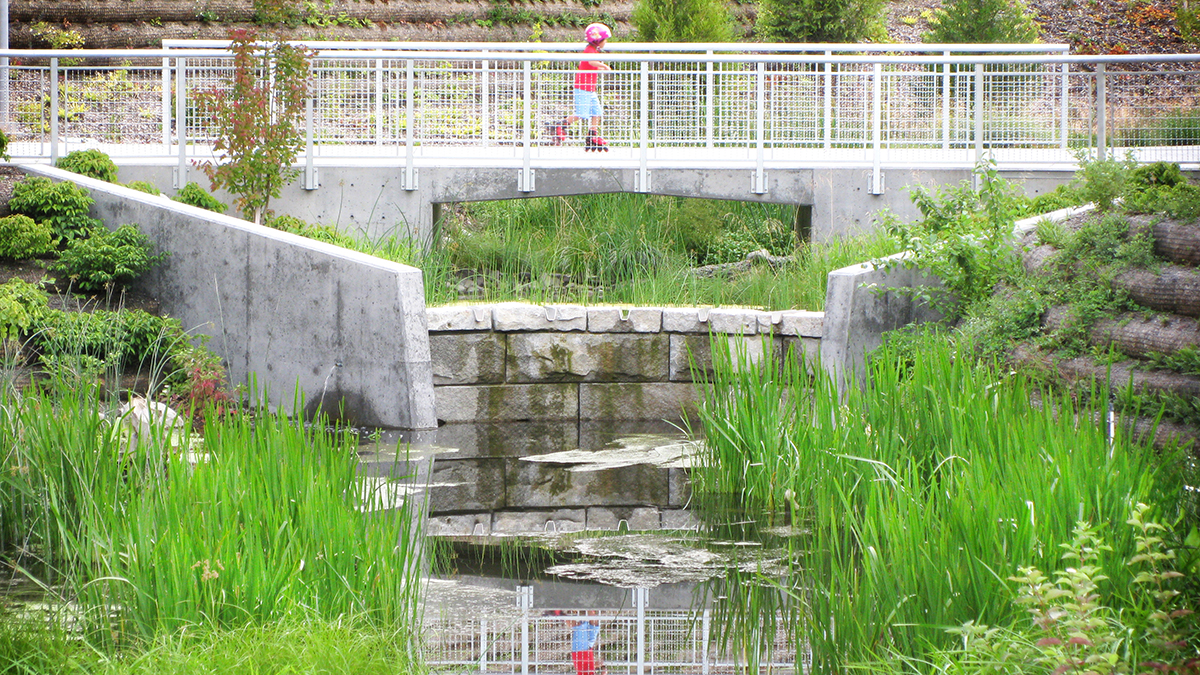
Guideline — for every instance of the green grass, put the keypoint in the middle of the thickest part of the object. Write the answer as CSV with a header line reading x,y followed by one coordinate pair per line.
x,y
917,497
265,519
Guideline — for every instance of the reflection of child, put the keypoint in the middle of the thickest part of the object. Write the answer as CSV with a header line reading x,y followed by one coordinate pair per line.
x,y
587,101
584,636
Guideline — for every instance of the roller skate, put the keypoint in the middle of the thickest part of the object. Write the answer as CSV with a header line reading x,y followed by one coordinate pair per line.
x,y
594,142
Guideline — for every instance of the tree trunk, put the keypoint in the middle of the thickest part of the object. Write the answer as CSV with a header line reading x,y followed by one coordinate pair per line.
x,y
1135,334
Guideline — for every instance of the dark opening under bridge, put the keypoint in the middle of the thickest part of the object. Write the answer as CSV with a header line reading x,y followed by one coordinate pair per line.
x,y
396,129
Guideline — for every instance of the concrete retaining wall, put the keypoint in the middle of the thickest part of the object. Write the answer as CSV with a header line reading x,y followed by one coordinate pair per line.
x,y
345,329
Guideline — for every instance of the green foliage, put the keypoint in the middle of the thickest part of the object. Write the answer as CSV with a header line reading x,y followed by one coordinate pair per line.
x,y
197,196
1158,174
683,21
21,237
1187,20
1181,201
63,206
1063,196
741,236
128,336
982,22
257,120
1185,360
820,20
325,233
108,258
22,306
962,238
4,146
92,163
143,186
1104,180
1075,626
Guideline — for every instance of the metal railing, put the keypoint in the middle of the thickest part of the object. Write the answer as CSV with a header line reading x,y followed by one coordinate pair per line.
x,y
736,105
631,642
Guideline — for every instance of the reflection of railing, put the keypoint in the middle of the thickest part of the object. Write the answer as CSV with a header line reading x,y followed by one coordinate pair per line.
x,y
632,642
729,104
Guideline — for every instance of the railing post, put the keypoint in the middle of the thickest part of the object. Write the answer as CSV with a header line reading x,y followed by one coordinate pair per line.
x,y
483,644
410,171
946,103
827,129
760,176
166,103
378,101
525,597
525,177
1101,112
978,117
310,171
181,121
643,178
1066,108
710,97
639,599
485,110
53,110
705,637
876,129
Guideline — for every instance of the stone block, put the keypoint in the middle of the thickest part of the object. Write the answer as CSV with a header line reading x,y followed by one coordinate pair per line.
x,y
507,402
462,525
685,319
515,317
467,485
467,358
508,439
800,323
459,318
548,521
734,321
809,348
637,400
587,357
633,518
699,347
596,434
543,485
679,519
679,487
624,319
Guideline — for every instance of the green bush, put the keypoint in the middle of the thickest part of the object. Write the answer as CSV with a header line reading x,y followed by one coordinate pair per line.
x,y
197,196
683,21
4,146
132,336
22,305
22,237
1103,180
63,206
143,186
92,163
820,20
1180,201
1164,174
982,22
108,258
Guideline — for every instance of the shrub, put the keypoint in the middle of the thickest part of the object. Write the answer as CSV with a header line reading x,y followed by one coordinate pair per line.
x,y
982,22
63,206
1104,180
4,146
683,21
143,186
22,305
91,163
108,258
1165,174
22,237
132,336
820,20
195,195
1187,19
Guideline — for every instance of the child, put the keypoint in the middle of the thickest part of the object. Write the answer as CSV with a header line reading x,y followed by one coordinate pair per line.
x,y
587,102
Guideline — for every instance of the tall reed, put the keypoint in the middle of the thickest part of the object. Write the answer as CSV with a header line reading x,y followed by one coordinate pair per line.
x,y
919,494
264,518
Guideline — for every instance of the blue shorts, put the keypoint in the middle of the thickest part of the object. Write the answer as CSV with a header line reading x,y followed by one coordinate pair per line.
x,y
587,104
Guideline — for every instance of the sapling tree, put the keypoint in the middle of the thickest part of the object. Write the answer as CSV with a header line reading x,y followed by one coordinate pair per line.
x,y
257,120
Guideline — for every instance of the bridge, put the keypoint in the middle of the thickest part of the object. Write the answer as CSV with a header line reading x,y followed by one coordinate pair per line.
x,y
394,130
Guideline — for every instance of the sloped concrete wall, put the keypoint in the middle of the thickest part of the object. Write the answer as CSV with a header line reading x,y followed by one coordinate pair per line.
x,y
314,325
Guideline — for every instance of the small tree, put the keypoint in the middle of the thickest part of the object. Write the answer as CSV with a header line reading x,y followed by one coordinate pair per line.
x,y
982,22
683,21
820,20
258,120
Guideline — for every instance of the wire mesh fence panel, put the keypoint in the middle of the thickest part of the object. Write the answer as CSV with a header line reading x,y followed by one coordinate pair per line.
x,y
676,642
29,108
202,76
620,96
554,94
345,101
794,106
734,114
851,106
110,105
448,103
678,104
911,108
1159,111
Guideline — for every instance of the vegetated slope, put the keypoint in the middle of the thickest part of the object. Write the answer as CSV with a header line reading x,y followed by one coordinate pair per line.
x,y
1089,26
1137,330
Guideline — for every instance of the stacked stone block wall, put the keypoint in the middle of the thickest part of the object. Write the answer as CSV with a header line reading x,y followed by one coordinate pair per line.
x,y
516,361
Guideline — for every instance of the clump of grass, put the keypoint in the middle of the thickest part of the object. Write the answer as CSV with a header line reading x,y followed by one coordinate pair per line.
x,y
918,494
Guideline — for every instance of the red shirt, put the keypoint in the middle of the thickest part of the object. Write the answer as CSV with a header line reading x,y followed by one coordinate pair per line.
x,y
586,78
